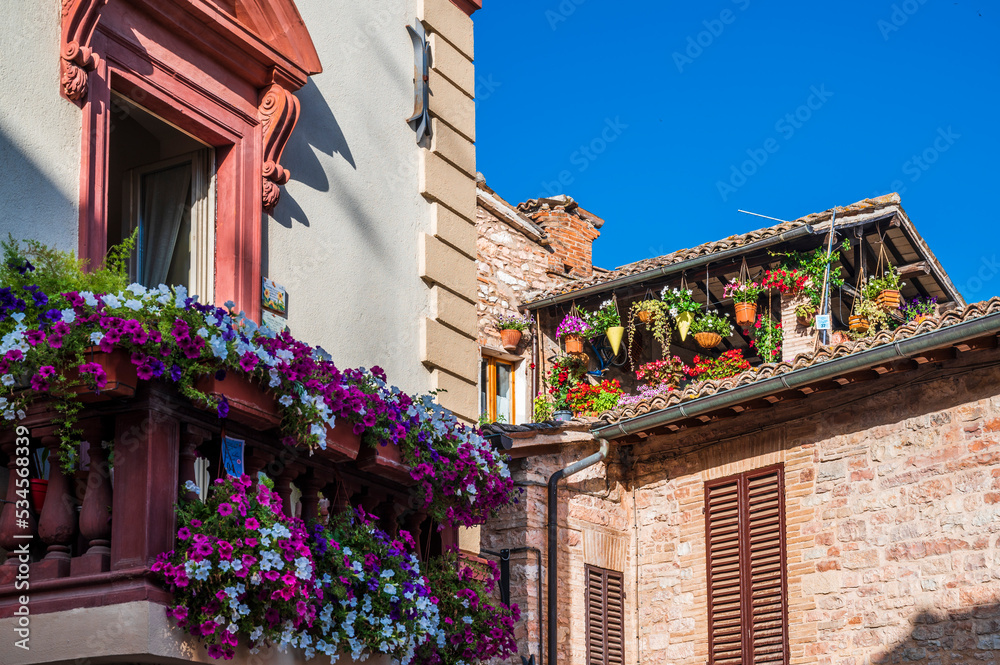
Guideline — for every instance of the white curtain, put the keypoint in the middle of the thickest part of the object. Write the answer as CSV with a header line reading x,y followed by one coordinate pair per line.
x,y
166,198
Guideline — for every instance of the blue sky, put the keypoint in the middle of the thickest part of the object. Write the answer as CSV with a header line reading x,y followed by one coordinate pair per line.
x,y
653,116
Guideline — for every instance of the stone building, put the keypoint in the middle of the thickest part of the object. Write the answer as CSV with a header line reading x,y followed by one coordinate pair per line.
x,y
836,507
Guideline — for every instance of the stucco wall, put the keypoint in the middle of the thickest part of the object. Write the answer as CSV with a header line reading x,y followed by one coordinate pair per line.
x,y
351,236
343,238
39,130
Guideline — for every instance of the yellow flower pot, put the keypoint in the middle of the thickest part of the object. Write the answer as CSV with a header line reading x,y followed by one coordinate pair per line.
x,y
615,337
684,321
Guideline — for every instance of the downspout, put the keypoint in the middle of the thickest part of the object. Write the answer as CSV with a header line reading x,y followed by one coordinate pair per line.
x,y
553,516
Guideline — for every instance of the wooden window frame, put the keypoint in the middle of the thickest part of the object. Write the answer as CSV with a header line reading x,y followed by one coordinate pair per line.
x,y
745,512
491,388
605,576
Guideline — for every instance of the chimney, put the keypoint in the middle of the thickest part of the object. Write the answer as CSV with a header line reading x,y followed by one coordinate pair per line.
x,y
571,231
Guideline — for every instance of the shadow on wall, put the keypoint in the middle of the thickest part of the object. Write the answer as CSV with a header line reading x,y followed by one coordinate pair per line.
x,y
317,130
35,206
950,637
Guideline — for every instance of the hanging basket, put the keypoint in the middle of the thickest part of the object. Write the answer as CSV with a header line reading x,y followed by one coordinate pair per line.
x,y
684,321
510,339
708,340
644,316
746,314
614,334
888,299
574,344
806,321
858,323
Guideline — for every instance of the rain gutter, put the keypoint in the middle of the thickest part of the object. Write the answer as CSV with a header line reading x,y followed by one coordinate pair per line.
x,y
904,348
673,268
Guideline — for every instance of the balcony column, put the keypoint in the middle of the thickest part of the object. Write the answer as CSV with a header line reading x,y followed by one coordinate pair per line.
x,y
256,461
311,485
9,528
192,439
58,520
283,486
95,515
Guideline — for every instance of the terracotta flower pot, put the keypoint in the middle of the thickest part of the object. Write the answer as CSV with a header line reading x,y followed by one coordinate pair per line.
x,y
39,487
342,444
122,378
385,461
708,340
249,402
859,323
806,321
510,338
574,344
644,316
888,299
921,318
746,314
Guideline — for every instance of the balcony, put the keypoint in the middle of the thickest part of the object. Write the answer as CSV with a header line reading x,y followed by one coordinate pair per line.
x,y
101,528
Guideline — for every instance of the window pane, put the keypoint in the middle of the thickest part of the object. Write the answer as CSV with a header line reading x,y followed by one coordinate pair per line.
x,y
504,397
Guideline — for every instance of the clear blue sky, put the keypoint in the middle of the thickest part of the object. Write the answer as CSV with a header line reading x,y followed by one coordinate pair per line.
x,y
645,113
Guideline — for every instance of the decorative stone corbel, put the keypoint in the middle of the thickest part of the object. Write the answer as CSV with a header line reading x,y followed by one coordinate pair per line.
x,y
278,112
79,19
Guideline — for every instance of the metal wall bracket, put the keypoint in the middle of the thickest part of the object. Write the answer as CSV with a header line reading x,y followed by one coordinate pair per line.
x,y
420,121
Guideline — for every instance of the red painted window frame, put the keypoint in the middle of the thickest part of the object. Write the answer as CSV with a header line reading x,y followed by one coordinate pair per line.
x,y
214,78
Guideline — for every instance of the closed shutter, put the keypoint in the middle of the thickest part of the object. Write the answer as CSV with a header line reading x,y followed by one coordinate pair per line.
x,y
605,617
745,533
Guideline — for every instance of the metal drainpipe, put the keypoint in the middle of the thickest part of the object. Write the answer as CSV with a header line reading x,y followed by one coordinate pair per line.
x,y
553,516
538,582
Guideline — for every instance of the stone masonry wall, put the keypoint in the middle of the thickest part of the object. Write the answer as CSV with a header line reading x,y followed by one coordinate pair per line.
x,y
892,523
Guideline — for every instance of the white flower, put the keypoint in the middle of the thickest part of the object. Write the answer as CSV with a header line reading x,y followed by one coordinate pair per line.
x,y
68,316
112,301
8,379
191,487
285,400
133,304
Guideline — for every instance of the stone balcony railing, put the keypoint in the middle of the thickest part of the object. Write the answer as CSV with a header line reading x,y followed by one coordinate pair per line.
x,y
101,528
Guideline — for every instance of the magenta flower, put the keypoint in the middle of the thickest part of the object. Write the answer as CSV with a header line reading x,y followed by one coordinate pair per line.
x,y
225,509
184,533
252,524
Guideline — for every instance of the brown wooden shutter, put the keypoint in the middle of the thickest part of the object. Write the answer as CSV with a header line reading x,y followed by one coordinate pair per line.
x,y
605,617
745,535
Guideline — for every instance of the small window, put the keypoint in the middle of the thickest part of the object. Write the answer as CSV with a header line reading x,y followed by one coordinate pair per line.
x,y
162,183
747,599
605,613
496,396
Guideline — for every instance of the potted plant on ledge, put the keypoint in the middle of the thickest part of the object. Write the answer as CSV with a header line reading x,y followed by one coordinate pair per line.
x,y
512,328
710,328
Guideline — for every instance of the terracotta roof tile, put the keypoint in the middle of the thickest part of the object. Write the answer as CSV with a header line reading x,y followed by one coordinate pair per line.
x,y
823,354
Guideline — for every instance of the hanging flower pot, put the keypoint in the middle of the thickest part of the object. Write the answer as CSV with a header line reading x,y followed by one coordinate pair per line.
x,y
708,340
859,323
684,320
888,299
746,314
510,338
645,316
39,487
574,344
614,334
805,315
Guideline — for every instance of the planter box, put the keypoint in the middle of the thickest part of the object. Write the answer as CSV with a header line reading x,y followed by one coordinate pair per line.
x,y
122,378
385,461
249,403
342,444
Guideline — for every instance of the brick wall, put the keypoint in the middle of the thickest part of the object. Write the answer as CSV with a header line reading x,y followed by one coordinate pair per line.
x,y
892,524
572,234
797,339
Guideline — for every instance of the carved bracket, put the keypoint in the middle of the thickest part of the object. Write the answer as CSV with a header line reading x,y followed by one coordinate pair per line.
x,y
79,19
278,112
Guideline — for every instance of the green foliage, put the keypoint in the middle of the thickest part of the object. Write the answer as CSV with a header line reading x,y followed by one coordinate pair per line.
x,y
604,318
768,337
712,321
660,323
814,265
888,281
